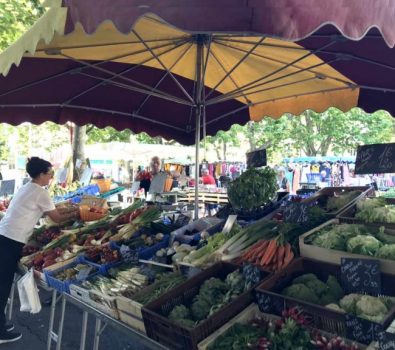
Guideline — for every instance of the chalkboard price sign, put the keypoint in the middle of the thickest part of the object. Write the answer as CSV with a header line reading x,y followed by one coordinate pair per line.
x,y
361,330
361,275
296,213
377,158
257,158
270,303
386,341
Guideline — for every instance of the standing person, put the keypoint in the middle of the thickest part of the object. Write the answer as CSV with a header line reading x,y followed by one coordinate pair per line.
x,y
26,208
282,181
207,179
145,178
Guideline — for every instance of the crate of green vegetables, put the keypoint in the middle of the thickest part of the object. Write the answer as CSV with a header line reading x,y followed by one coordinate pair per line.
x,y
334,240
378,211
315,287
335,200
129,307
187,314
255,330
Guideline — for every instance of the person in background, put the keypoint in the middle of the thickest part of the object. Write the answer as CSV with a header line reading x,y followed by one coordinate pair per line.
x,y
207,179
146,177
282,181
27,206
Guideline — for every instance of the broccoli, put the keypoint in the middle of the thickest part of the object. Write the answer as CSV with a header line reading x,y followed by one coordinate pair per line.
x,y
334,287
213,290
302,292
328,298
305,278
348,302
318,287
179,312
200,308
370,306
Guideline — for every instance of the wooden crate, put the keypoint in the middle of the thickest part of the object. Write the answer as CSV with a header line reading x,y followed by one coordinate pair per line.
x,y
247,315
334,256
132,321
130,312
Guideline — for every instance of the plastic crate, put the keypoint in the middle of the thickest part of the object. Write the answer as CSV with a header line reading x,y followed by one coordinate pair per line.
x,y
146,253
348,216
270,300
103,268
64,286
99,301
180,337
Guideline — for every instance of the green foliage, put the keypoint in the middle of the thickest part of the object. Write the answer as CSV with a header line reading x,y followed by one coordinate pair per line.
x,y
16,16
109,134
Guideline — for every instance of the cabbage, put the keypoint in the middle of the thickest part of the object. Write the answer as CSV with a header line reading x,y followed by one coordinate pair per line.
x,y
375,210
348,302
362,244
387,251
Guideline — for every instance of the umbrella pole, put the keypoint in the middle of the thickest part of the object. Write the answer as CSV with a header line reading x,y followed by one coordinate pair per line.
x,y
198,108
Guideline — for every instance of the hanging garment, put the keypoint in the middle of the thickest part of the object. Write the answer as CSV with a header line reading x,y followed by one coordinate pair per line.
x,y
289,175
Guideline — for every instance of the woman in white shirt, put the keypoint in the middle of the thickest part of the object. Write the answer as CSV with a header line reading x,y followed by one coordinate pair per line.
x,y
26,208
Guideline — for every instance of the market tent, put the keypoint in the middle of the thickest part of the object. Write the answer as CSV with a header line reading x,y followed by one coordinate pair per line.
x,y
170,67
123,64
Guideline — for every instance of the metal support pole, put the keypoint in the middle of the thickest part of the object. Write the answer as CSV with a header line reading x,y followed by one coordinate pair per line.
x,y
11,299
83,331
96,341
51,320
61,322
198,108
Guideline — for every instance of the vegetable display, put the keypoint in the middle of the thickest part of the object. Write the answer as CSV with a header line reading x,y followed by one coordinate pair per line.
x,y
253,189
356,239
290,332
213,295
273,255
375,210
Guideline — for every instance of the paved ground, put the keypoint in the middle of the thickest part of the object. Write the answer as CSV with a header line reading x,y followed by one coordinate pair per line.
x,y
35,329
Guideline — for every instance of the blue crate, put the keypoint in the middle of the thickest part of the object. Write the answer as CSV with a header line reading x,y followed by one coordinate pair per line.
x,y
103,268
64,286
146,253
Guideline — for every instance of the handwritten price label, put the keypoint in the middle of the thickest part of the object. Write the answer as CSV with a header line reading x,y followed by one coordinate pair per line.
x,y
296,213
378,158
361,275
362,330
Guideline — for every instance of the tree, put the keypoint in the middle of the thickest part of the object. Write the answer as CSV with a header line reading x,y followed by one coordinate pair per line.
x,y
16,16
96,135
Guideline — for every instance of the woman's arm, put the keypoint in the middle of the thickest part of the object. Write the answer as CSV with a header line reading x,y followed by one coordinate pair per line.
x,y
57,216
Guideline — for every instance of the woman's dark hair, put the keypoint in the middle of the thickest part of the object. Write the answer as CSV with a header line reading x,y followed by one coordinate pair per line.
x,y
35,166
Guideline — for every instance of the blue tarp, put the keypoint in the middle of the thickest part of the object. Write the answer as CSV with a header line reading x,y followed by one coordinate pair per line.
x,y
320,159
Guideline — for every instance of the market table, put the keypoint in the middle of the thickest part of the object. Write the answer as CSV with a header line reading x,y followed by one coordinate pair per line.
x,y
100,318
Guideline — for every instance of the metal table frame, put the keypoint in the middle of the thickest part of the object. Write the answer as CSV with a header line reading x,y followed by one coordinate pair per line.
x,y
101,322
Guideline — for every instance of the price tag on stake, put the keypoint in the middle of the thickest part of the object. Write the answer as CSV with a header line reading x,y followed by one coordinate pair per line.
x,y
296,213
377,158
361,330
361,275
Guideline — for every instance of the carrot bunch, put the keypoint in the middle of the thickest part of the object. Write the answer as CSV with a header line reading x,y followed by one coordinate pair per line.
x,y
273,255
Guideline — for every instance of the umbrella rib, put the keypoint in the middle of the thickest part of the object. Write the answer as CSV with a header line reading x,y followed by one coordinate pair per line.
x,y
276,70
235,66
164,76
163,66
121,73
160,93
278,99
231,78
250,85
141,90
62,73
133,115
170,42
302,48
245,94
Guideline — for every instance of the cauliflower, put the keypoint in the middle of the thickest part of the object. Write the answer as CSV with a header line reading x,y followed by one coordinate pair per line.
x,y
370,306
335,307
365,245
301,292
387,251
348,302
